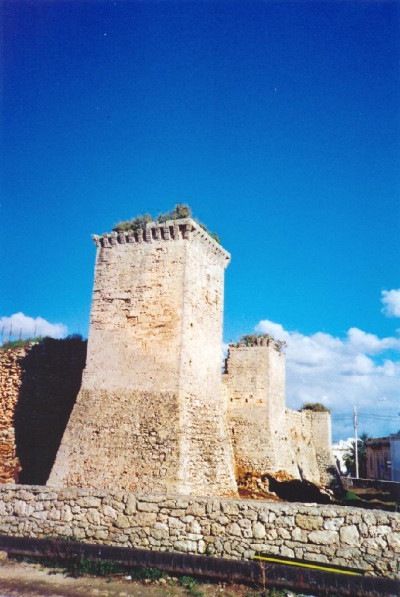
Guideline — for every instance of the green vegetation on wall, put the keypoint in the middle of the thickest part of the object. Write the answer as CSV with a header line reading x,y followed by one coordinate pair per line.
x,y
260,340
179,212
316,407
30,341
20,343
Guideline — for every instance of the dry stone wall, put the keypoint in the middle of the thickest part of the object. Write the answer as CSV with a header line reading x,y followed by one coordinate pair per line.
x,y
10,383
368,540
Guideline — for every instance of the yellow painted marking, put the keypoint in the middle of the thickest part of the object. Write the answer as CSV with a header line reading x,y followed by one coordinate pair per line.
x,y
316,566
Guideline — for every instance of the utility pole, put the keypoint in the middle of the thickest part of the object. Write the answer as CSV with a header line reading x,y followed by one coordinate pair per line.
x,y
355,440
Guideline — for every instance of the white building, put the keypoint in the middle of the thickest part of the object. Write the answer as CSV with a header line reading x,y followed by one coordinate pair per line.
x,y
339,449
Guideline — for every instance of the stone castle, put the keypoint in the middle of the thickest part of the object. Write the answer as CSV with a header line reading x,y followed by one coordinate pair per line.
x,y
154,412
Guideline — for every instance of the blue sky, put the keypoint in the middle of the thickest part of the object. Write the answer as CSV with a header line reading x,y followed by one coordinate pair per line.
x,y
277,122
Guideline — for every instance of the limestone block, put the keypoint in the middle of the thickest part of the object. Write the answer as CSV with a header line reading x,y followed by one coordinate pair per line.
x,y
393,540
312,522
258,530
349,535
333,524
324,537
122,522
234,529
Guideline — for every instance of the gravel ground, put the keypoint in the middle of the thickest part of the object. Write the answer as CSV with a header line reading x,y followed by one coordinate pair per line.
x,y
21,579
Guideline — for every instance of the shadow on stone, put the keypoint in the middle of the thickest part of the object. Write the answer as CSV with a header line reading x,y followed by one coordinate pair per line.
x,y
298,491
51,378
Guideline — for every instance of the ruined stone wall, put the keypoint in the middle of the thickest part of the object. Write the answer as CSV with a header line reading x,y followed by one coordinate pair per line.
x,y
308,448
38,388
10,383
368,540
267,437
150,414
254,376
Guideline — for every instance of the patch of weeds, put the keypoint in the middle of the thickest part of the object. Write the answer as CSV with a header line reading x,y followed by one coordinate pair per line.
x,y
82,566
24,559
277,593
142,573
195,592
187,581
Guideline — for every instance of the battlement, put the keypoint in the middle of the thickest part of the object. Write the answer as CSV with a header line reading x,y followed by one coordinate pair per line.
x,y
257,340
172,230
261,343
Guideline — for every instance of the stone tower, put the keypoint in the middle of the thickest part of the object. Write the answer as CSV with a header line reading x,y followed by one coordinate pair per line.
x,y
267,437
151,413
255,383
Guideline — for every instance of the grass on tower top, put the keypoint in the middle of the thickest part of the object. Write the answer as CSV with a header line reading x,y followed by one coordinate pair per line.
x,y
179,212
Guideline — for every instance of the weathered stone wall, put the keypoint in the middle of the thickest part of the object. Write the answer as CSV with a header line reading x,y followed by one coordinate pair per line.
x,y
10,383
38,388
255,376
151,413
368,540
267,438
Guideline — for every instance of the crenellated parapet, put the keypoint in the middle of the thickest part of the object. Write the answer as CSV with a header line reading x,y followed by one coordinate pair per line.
x,y
259,340
156,232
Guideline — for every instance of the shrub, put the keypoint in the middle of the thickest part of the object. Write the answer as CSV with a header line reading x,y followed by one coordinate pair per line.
x,y
133,225
316,407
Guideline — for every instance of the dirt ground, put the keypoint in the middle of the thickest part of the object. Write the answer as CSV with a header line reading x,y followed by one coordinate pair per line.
x,y
22,579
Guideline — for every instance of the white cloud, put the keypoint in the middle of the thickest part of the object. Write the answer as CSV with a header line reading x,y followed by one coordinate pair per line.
x,y
274,329
341,372
391,303
28,327
369,343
